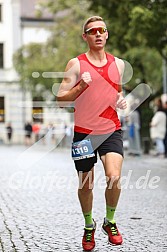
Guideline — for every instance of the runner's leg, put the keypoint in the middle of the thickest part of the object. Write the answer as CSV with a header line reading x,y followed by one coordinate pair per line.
x,y
85,194
112,163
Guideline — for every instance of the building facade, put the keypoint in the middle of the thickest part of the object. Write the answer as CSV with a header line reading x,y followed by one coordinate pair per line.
x,y
19,26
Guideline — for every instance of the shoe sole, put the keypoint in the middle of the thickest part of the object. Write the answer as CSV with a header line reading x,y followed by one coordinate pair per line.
x,y
104,232
89,250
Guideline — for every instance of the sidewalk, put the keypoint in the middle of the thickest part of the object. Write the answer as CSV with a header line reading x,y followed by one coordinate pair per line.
x,y
39,208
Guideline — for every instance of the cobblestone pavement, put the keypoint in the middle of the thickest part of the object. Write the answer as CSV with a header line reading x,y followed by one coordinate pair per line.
x,y
39,208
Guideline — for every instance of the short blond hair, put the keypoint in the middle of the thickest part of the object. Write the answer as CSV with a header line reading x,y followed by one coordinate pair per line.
x,y
90,20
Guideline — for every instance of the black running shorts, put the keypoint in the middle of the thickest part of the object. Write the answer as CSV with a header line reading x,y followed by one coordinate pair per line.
x,y
102,144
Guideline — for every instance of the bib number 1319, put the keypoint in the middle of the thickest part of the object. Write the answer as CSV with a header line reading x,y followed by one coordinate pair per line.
x,y
82,149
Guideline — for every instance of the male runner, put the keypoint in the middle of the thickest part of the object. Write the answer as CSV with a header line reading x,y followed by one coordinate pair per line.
x,y
92,81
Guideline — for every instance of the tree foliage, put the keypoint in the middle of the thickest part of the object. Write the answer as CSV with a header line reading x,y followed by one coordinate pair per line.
x,y
64,43
139,33
132,23
30,62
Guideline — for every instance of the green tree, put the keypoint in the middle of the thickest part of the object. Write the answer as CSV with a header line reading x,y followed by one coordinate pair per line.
x,y
132,23
30,61
64,43
138,33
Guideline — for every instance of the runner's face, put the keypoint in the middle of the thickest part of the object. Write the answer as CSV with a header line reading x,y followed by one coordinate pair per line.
x,y
96,34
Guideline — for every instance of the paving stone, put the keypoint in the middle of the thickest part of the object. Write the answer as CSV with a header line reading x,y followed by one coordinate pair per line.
x,y
39,208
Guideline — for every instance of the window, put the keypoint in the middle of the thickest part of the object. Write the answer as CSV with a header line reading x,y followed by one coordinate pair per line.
x,y
37,111
2,109
1,55
0,12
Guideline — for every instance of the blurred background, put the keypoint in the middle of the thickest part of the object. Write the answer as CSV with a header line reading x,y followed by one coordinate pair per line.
x,y
37,39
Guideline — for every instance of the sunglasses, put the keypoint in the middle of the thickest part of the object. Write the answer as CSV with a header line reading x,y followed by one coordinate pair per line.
x,y
93,31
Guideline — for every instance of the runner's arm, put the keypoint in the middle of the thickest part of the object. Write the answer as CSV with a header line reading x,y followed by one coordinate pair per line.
x,y
68,90
121,102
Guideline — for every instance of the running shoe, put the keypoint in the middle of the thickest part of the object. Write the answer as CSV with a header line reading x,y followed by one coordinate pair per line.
x,y
88,241
110,229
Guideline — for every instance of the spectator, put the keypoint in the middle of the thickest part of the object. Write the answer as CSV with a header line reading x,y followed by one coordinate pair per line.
x,y
67,139
49,135
158,129
134,133
36,128
28,133
165,139
9,131
42,133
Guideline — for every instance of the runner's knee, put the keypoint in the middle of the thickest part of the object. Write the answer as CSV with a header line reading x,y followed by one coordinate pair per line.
x,y
113,181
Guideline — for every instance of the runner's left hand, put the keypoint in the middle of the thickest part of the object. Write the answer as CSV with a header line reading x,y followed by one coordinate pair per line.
x,y
121,102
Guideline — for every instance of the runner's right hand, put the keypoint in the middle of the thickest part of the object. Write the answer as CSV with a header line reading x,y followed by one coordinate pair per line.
x,y
85,79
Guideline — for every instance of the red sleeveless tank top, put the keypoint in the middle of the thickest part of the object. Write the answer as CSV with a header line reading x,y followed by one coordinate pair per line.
x,y
95,108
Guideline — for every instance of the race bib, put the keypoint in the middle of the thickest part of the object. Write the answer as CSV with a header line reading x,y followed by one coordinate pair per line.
x,y
82,149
